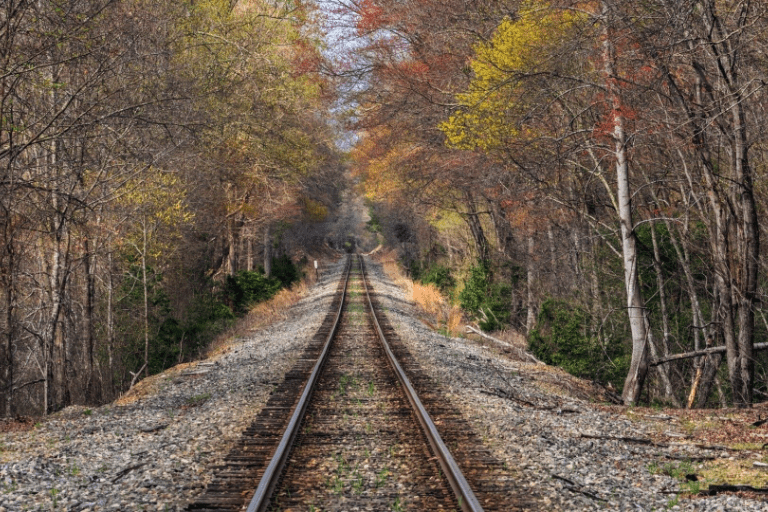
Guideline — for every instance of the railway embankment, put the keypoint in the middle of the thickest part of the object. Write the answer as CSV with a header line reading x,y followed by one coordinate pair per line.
x,y
155,449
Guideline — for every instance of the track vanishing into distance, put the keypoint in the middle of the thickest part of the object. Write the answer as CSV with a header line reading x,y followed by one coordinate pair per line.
x,y
347,431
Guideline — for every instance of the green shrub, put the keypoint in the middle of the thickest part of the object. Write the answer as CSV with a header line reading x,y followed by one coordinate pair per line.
x,y
487,302
284,270
246,288
563,337
373,225
440,276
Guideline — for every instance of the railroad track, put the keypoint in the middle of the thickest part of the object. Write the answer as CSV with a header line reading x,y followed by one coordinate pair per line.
x,y
347,430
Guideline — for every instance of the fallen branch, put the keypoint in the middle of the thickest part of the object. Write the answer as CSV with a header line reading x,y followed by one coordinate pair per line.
x,y
503,394
637,440
674,456
520,352
30,383
120,474
703,352
575,487
136,375
716,489
153,428
561,409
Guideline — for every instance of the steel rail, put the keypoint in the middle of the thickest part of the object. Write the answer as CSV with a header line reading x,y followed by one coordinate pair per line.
x,y
271,475
467,499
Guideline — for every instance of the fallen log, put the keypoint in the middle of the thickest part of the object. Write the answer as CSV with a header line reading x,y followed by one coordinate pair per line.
x,y
703,352
716,489
578,488
521,353
624,439
120,474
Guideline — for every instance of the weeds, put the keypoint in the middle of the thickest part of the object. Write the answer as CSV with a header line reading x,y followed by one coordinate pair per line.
x,y
381,477
357,483
196,400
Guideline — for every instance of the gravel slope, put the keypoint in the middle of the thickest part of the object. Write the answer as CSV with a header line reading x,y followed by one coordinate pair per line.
x,y
154,449
566,449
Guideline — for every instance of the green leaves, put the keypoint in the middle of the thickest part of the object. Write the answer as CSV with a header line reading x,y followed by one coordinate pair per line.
x,y
487,301
563,337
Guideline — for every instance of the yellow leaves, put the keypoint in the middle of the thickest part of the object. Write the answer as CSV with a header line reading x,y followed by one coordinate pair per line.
x,y
477,129
493,107
446,220
157,202
383,180
381,169
315,210
158,195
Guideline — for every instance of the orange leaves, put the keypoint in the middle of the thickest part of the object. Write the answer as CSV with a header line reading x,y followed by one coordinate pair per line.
x,y
306,58
413,68
371,17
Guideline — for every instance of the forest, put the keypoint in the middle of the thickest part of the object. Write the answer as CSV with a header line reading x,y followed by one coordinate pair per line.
x,y
161,165
589,173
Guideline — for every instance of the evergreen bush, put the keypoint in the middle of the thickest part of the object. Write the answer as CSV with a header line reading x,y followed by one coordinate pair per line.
x,y
486,301
563,337
247,288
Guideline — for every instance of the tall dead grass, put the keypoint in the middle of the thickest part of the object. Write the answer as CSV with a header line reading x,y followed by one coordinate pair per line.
x,y
447,317
392,269
443,315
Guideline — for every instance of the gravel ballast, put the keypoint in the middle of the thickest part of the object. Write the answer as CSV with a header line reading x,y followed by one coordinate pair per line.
x,y
155,449
567,450
156,452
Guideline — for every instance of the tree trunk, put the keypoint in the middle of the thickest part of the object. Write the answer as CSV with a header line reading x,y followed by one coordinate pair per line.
x,y
552,252
662,369
709,375
249,251
749,254
91,382
146,296
7,354
530,321
638,367
476,228
110,327
268,251
232,242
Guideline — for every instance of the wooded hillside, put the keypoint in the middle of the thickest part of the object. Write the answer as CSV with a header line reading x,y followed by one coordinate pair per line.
x,y
153,155
592,173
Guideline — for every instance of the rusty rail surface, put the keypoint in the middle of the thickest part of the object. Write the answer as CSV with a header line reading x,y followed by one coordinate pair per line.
x,y
271,475
266,453
459,484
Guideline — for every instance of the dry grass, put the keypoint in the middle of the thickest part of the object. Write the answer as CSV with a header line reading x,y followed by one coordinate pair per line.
x,y
152,385
440,313
447,317
734,472
388,260
455,321
428,297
